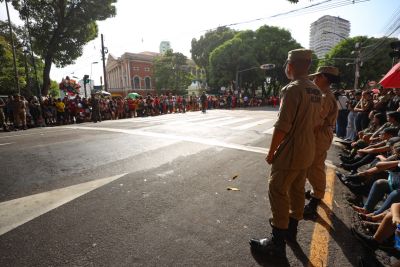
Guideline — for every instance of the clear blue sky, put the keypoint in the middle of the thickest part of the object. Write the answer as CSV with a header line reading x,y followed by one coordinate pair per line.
x,y
142,25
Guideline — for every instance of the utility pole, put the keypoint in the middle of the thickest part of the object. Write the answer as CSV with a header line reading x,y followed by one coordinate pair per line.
x,y
13,50
103,56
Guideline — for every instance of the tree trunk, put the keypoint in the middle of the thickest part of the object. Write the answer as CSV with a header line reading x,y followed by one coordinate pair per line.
x,y
46,75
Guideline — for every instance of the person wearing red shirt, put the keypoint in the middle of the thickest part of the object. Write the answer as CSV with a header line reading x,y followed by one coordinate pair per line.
x,y
179,102
73,109
157,105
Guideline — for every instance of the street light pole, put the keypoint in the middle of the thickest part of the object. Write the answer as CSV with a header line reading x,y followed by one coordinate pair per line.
x,y
13,50
357,65
91,72
263,67
104,51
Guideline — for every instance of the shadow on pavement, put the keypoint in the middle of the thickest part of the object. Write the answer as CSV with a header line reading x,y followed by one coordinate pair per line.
x,y
339,232
265,260
299,253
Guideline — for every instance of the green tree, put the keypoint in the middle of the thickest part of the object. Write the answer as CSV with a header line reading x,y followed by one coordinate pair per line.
x,y
272,46
243,54
54,89
25,67
171,72
7,82
61,28
231,58
202,48
374,56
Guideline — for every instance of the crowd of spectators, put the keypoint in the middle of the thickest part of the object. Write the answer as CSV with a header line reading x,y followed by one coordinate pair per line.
x,y
369,126
19,113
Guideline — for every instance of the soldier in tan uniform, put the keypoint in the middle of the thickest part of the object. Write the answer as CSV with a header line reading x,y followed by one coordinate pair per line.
x,y
323,78
19,112
291,153
2,116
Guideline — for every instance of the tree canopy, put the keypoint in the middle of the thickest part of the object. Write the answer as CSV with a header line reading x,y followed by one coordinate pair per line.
x,y
171,72
245,52
61,28
27,77
374,56
202,48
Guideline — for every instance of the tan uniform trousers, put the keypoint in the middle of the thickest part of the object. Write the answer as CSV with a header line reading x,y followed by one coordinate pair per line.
x,y
20,118
316,174
286,195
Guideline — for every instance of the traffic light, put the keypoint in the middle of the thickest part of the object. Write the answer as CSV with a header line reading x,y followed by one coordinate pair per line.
x,y
395,45
86,79
395,54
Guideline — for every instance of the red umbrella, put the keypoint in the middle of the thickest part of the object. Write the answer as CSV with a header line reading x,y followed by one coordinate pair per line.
x,y
392,78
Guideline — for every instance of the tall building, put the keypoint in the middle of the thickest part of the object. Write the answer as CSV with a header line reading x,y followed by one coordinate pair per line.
x,y
326,32
164,46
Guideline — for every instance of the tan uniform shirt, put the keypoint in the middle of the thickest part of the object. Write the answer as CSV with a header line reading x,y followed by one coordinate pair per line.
x,y
329,112
299,114
18,106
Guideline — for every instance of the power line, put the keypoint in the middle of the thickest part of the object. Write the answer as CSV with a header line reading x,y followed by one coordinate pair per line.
x,y
317,7
389,29
375,50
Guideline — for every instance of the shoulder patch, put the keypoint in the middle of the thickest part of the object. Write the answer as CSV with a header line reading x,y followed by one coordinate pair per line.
x,y
315,94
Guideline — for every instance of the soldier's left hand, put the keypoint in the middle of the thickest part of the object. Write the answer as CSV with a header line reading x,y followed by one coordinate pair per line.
x,y
270,158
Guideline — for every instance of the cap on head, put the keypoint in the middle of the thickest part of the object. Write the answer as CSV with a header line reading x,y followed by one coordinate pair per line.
x,y
327,70
299,55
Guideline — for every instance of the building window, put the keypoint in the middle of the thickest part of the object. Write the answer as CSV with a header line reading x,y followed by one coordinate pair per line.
x,y
136,68
136,82
147,69
147,82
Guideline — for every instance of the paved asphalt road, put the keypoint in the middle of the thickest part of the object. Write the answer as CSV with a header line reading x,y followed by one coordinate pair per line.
x,y
152,192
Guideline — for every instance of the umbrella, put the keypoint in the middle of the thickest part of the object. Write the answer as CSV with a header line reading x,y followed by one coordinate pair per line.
x,y
392,78
103,93
133,95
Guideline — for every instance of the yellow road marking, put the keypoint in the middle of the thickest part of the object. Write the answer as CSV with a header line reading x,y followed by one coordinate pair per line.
x,y
319,248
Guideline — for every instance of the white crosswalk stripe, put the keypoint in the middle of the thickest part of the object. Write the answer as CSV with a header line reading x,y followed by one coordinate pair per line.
x,y
193,120
233,121
213,122
269,131
251,124
207,120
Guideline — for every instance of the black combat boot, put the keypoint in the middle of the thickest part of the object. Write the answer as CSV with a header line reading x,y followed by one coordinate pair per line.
x,y
291,236
274,246
310,210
